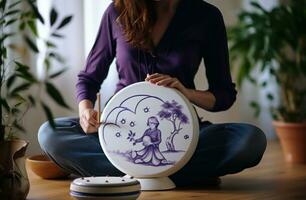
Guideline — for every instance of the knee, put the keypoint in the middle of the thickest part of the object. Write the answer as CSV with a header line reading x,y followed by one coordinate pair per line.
x,y
48,138
255,143
44,136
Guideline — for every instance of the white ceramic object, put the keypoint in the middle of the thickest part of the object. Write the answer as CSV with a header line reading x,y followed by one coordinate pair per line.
x,y
149,132
106,188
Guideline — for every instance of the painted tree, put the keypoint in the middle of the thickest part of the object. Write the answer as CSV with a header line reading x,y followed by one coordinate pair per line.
x,y
172,112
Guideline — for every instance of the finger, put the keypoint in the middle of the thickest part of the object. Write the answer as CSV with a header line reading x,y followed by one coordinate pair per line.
x,y
147,77
89,113
155,80
93,122
175,84
165,82
84,125
92,130
88,128
154,76
85,122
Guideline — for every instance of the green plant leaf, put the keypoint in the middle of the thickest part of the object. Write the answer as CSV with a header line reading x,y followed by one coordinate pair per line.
x,y
31,44
21,66
32,100
2,4
53,16
24,73
14,4
49,114
258,6
11,21
18,127
270,97
3,54
47,64
264,84
56,74
33,27
57,35
22,26
64,22
15,111
20,88
256,108
50,44
5,105
56,56
5,36
36,12
12,12
56,95
10,81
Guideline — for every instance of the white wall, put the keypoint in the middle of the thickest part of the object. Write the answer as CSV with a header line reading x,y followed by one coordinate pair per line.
x,y
93,11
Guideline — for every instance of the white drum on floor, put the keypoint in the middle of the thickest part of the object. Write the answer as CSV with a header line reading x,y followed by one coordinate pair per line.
x,y
149,132
106,188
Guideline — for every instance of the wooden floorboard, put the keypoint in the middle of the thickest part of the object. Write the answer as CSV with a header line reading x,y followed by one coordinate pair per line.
x,y
272,179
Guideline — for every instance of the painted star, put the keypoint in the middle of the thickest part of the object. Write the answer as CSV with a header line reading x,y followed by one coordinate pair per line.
x,y
118,134
132,124
146,109
122,121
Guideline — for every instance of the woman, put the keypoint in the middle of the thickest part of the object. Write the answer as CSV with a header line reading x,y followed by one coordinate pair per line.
x,y
162,42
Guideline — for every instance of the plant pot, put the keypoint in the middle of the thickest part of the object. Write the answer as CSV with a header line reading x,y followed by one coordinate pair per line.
x,y
293,140
14,183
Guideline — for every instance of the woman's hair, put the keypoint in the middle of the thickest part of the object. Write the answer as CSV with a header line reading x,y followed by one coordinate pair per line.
x,y
137,18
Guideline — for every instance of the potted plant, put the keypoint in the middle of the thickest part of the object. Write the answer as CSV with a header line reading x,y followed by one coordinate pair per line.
x,y
273,42
20,88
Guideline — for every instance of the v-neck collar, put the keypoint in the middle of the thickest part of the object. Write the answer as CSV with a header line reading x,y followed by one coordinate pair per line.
x,y
169,27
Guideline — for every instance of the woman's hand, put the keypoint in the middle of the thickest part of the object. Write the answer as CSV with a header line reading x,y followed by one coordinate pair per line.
x,y
88,120
203,99
168,81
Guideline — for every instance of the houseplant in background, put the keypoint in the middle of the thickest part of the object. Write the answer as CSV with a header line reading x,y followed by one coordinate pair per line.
x,y
273,42
21,88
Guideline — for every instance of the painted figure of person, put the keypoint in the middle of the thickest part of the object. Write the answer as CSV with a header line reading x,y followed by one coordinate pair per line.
x,y
151,139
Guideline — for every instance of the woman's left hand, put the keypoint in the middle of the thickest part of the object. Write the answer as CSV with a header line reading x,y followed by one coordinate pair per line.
x,y
167,81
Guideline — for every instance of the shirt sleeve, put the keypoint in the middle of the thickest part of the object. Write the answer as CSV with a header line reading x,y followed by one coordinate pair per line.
x,y
98,61
216,59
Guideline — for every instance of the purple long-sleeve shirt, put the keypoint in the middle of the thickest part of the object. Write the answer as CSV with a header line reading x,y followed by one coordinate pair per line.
x,y
195,32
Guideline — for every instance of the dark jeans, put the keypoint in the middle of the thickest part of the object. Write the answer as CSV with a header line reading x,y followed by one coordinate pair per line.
x,y
222,149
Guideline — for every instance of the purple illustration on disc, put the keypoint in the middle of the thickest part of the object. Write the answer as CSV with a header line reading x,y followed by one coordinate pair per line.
x,y
151,139
173,112
148,130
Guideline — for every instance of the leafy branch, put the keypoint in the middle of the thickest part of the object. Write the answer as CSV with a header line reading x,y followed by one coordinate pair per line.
x,y
16,77
273,42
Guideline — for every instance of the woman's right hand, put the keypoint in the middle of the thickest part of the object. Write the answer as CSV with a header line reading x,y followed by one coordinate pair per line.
x,y
88,117
88,120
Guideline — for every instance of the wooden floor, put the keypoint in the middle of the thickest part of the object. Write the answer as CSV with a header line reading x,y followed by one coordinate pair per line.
x,y
271,179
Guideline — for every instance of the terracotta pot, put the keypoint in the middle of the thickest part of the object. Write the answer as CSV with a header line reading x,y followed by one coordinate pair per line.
x,y
293,140
14,183
42,166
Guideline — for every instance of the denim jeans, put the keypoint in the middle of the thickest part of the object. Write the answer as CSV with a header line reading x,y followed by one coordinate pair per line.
x,y
222,149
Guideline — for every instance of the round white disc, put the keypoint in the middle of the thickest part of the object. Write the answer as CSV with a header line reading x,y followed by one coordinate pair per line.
x,y
105,185
148,131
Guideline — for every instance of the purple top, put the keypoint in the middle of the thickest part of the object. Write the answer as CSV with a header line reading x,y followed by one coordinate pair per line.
x,y
196,31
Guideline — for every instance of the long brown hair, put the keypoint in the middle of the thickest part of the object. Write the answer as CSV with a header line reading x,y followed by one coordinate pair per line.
x,y
137,18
